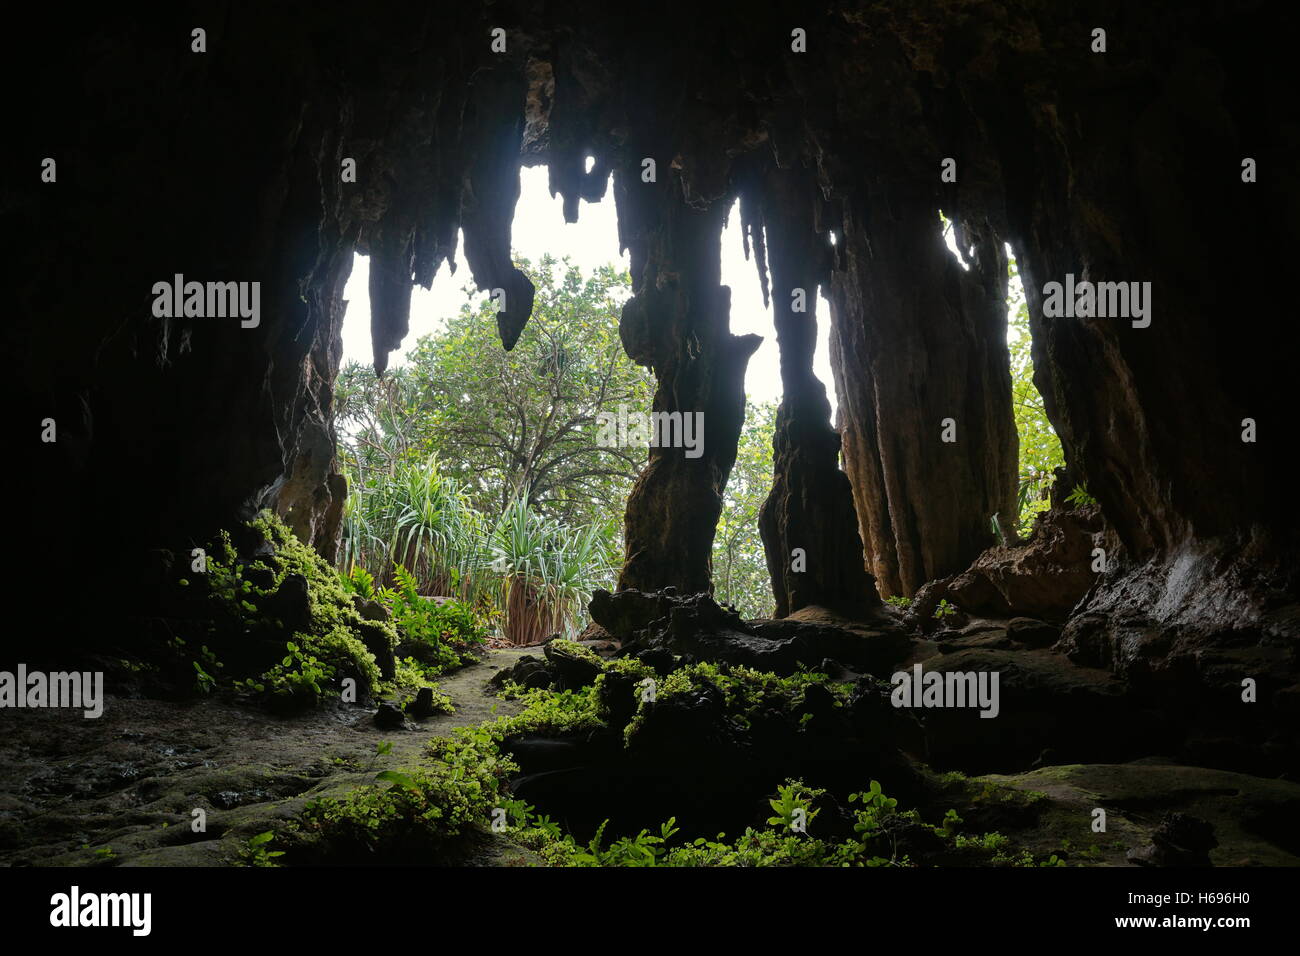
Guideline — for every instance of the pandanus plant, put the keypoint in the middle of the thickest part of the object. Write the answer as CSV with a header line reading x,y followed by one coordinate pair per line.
x,y
547,571
536,572
421,518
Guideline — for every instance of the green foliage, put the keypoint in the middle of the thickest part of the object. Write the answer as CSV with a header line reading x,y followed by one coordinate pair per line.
x,y
205,682
944,610
428,813
778,845
327,649
529,572
897,600
521,424
548,571
257,851
950,823
745,691
1080,498
420,813
510,424
412,512
1040,449
553,712
360,581
793,805
740,576
450,628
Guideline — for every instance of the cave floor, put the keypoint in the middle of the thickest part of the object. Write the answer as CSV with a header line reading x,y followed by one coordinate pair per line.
x,y
120,790
73,788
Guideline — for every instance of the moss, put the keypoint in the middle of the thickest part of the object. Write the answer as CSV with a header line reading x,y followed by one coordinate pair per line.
x,y
248,601
434,812
576,651
745,691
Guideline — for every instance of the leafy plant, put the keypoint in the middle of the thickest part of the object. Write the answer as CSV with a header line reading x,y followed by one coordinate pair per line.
x,y
792,805
1080,498
257,851
1040,451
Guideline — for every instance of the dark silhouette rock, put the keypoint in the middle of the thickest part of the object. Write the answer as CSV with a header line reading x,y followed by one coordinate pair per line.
x,y
421,707
1179,840
573,665
389,716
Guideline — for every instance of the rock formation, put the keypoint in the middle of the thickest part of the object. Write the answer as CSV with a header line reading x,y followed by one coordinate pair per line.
x,y
232,164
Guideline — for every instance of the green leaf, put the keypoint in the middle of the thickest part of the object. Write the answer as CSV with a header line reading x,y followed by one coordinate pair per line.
x,y
398,779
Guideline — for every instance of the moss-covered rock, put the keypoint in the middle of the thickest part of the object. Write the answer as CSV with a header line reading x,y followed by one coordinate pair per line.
x,y
1254,818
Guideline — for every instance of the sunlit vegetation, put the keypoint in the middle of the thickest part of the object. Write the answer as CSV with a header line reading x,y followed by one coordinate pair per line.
x,y
1040,449
478,469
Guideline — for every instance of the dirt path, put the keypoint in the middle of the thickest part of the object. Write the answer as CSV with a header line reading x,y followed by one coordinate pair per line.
x,y
122,789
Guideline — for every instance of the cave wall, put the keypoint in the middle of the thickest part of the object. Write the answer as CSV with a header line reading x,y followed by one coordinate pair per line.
x,y
923,378
225,165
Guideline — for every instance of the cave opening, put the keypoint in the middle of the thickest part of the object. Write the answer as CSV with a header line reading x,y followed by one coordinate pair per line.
x,y
920,484
1039,450
388,426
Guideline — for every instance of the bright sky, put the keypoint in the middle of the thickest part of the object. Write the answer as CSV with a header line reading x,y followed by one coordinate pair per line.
x,y
539,227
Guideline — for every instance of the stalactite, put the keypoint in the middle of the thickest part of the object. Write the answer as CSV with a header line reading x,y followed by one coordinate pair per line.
x,y
809,529
225,165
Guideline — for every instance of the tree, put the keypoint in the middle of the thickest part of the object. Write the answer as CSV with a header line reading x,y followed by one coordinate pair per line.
x,y
522,424
1040,449
479,471
740,573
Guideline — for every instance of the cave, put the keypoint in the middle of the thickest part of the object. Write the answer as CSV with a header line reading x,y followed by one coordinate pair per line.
x,y
1143,634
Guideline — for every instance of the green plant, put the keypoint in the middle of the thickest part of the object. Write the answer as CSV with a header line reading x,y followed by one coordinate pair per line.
x,y
325,646
950,823
257,852
792,805
548,571
1040,452
359,581
423,812
1080,498
897,600
944,610
203,681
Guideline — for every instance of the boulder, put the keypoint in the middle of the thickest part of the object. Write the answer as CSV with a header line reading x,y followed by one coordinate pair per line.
x,y
1044,578
422,706
529,672
379,642
389,716
572,664
1179,840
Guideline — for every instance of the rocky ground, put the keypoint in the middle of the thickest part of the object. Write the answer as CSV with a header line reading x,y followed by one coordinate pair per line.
x,y
121,790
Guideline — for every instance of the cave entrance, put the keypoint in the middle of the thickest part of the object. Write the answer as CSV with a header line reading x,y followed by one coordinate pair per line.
x,y
488,475
474,469
741,574
1040,452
